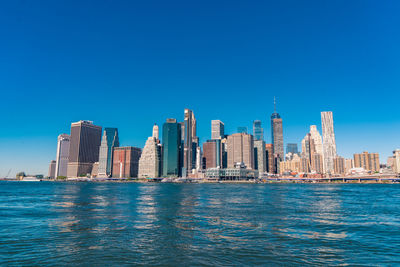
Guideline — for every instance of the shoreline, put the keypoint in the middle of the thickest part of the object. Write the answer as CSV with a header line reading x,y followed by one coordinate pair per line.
x,y
394,180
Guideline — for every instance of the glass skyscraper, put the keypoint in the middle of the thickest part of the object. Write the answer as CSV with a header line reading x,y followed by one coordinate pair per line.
x,y
258,131
292,148
171,148
109,141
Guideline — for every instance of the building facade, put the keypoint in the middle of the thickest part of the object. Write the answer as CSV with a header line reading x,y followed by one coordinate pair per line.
x,y
52,169
171,148
269,157
240,150
217,129
84,148
109,140
260,160
61,168
126,162
150,159
339,166
258,131
190,143
316,136
292,148
367,161
328,141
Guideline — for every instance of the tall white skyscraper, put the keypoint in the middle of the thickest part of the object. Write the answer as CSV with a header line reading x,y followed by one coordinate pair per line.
x,y
155,131
62,155
315,135
329,143
150,159
217,129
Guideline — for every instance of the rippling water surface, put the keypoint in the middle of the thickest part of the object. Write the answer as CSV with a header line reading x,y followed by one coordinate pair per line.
x,y
198,224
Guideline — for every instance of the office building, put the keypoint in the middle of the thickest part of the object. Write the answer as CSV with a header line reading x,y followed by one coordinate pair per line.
x,y
126,162
190,143
317,163
315,135
339,166
52,169
84,148
258,131
291,166
277,137
217,129
349,164
240,150
63,141
292,148
328,142
109,140
396,155
367,161
260,160
150,159
171,148
269,157
242,129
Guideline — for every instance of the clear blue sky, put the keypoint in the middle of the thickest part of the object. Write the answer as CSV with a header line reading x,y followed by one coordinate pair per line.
x,y
128,64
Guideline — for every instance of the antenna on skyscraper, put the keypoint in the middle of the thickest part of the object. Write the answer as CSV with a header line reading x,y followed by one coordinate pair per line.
x,y
274,104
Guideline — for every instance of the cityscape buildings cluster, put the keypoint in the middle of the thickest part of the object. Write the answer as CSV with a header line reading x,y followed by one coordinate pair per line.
x,y
90,151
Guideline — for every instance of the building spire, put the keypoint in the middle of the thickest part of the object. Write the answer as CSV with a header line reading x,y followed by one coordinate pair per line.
x,y
274,104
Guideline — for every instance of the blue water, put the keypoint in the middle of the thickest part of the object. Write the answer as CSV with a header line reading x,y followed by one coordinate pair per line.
x,y
44,223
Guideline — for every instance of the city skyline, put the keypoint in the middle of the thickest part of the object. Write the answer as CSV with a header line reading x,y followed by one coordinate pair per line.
x,y
201,57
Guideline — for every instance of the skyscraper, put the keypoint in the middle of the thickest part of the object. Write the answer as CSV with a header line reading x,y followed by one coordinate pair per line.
x,y
240,150
156,132
260,160
277,137
212,153
126,162
269,157
258,131
84,148
329,143
63,141
150,159
242,129
52,169
171,148
317,139
292,148
217,129
109,140
307,151
190,143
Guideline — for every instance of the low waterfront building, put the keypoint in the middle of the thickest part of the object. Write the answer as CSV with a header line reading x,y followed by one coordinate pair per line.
x,y
126,162
231,174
